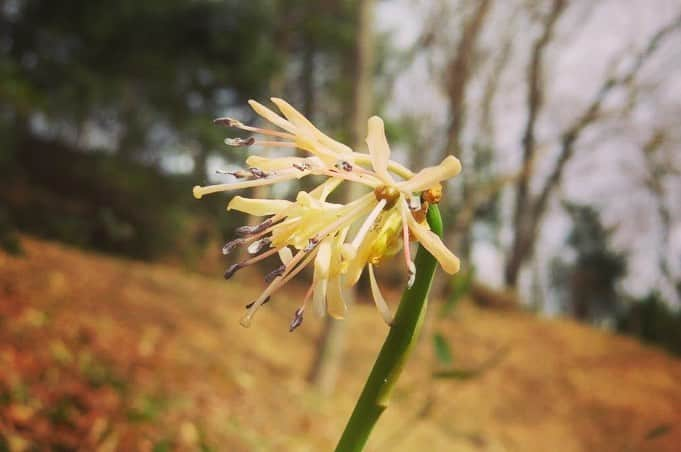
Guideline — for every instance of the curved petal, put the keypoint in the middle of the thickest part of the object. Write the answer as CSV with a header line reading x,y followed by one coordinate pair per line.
x,y
286,255
335,304
430,241
432,175
379,150
258,207
323,190
272,117
381,305
302,123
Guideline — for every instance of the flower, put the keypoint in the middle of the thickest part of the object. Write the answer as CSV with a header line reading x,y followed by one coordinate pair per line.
x,y
339,240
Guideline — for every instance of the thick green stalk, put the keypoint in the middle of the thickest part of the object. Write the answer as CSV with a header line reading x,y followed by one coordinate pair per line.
x,y
401,338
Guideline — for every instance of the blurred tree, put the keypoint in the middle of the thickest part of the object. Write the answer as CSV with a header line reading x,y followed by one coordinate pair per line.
x,y
587,285
132,79
326,364
652,320
140,73
530,210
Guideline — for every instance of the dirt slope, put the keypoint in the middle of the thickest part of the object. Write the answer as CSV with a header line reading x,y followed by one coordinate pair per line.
x,y
104,354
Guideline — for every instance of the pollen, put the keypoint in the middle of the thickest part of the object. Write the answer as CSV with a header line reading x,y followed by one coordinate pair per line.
x,y
389,193
433,195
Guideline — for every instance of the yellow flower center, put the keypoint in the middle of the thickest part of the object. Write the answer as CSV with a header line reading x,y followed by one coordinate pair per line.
x,y
389,193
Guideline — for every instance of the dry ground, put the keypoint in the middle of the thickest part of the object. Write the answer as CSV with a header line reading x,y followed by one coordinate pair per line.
x,y
105,354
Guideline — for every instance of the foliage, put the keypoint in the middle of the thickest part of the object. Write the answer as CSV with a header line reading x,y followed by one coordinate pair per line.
x,y
587,285
653,321
96,200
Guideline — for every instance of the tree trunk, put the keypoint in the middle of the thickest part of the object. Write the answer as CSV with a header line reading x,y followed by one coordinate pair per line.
x,y
325,367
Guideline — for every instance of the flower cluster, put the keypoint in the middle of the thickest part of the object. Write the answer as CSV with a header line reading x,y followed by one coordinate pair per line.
x,y
340,240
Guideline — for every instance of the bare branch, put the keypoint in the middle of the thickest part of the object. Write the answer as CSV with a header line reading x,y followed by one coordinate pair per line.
x,y
458,74
535,95
570,136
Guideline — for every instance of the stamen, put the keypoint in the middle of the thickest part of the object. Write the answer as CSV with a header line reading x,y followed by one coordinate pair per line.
x,y
250,305
258,173
275,144
259,246
344,165
200,191
259,257
311,244
389,193
411,268
239,174
297,319
370,181
232,269
231,122
236,142
292,271
368,223
250,230
302,167
275,273
231,246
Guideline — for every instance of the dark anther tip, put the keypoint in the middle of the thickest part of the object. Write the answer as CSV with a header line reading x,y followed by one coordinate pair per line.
x,y
275,273
231,270
297,320
231,245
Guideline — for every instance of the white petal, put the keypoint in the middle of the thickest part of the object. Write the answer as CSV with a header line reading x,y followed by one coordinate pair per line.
x,y
319,296
322,263
285,255
322,191
428,177
271,116
302,123
381,305
335,304
430,241
258,207
378,148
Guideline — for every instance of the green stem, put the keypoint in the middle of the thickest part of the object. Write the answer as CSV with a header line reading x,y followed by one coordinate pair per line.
x,y
401,338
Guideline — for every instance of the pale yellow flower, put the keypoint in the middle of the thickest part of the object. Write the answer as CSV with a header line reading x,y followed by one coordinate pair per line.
x,y
312,230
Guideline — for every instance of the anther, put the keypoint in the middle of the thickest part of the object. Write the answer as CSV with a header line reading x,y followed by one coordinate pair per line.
x,y
297,320
275,273
258,246
239,141
433,195
232,269
311,244
344,165
231,245
258,173
245,231
302,166
228,122
390,194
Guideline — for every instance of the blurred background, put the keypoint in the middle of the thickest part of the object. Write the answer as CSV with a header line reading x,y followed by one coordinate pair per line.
x,y
562,331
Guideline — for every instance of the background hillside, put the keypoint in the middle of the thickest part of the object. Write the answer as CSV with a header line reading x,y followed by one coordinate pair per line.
x,y
107,354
